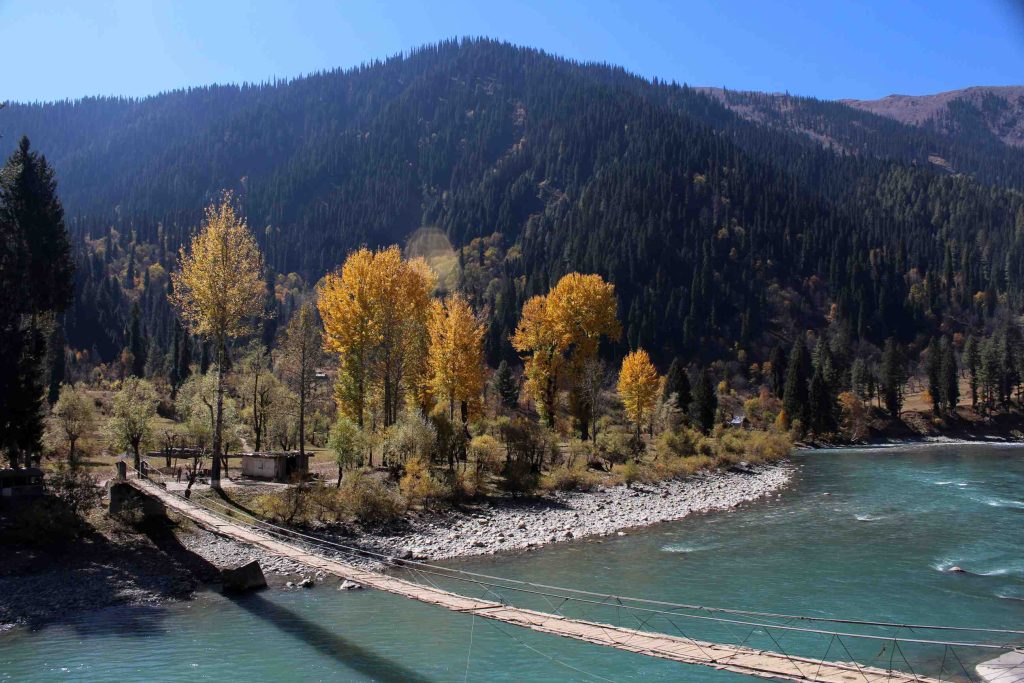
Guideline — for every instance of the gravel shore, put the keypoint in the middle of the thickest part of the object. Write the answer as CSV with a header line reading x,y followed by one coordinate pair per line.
x,y
510,525
525,524
171,561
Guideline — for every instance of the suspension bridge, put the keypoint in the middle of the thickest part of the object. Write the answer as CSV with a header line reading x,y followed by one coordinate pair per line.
x,y
422,582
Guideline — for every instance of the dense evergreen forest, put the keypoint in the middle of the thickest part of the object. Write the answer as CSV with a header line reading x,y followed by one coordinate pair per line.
x,y
729,229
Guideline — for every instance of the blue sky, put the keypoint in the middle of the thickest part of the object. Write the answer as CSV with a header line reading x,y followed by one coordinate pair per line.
x,y
831,48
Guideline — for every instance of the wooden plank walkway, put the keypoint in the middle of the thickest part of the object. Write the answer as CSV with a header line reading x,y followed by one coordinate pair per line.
x,y
743,660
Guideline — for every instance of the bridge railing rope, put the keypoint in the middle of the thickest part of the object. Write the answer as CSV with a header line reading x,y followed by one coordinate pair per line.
x,y
771,625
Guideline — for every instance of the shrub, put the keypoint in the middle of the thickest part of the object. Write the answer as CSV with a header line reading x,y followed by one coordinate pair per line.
x,y
369,500
419,485
677,468
411,437
485,452
616,445
75,489
679,444
569,478
520,477
41,522
629,471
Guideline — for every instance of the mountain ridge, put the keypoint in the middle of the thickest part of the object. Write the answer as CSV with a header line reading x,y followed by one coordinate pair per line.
x,y
721,233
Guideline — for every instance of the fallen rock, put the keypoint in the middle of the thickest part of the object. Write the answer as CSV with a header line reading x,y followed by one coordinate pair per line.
x,y
245,578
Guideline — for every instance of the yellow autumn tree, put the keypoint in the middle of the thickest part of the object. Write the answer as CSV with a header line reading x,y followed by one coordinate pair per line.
x,y
639,385
219,291
560,334
535,336
375,312
456,356
583,310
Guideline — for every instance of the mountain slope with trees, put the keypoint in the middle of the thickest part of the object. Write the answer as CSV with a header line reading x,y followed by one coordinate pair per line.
x,y
723,233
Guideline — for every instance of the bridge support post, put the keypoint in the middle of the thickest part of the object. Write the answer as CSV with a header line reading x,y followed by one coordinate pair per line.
x,y
122,470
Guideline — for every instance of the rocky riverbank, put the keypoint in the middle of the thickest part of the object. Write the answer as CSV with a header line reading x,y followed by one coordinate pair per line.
x,y
526,524
169,561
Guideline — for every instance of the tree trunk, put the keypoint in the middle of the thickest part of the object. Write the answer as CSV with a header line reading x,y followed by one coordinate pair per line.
x,y
71,452
138,457
303,465
219,421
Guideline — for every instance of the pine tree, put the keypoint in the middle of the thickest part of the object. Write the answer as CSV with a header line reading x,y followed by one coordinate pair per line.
x,y
777,376
137,343
677,385
933,368
893,377
506,385
705,402
795,399
35,274
972,363
822,407
950,376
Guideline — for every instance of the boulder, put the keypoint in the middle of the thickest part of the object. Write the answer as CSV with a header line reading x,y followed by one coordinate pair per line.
x,y
241,579
306,582
347,585
957,570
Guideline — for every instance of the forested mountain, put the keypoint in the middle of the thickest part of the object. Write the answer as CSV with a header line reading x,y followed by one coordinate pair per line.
x,y
726,221
997,111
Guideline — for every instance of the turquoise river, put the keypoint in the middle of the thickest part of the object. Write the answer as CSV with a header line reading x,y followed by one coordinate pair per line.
x,y
878,546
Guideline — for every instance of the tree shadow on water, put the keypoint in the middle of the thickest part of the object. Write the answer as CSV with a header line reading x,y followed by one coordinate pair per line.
x,y
342,650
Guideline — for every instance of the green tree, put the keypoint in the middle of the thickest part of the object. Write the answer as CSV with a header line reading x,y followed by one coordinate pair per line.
x,y
798,370
131,424
822,407
933,368
301,353
950,376
705,402
677,386
137,343
348,443
972,363
73,416
505,383
893,377
35,274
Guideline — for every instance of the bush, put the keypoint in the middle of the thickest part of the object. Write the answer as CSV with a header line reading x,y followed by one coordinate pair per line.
x,y
74,488
617,445
485,452
419,485
677,468
569,478
520,477
41,522
629,471
367,499
679,444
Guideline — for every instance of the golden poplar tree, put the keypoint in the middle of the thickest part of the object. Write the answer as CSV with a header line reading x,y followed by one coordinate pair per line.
x,y
562,331
639,386
219,290
535,336
375,312
344,301
583,310
455,361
